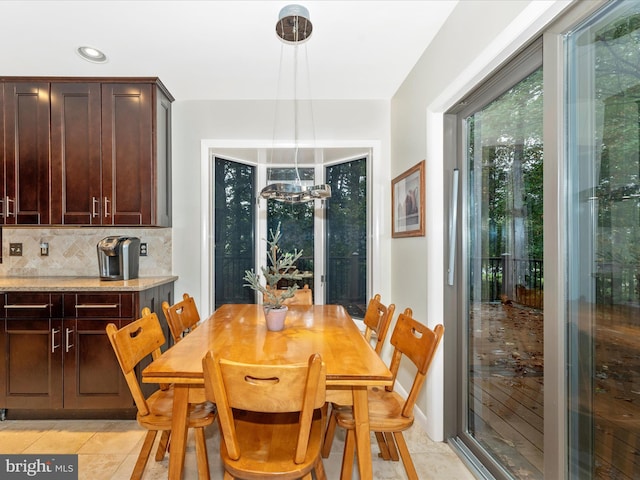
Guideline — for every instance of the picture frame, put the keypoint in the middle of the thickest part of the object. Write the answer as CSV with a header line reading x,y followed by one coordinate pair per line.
x,y
407,203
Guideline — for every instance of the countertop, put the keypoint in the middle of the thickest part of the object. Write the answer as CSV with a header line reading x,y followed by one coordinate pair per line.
x,y
59,284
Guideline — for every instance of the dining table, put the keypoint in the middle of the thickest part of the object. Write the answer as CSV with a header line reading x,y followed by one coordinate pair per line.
x,y
238,332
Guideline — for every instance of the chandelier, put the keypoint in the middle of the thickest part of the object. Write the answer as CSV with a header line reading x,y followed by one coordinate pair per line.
x,y
294,27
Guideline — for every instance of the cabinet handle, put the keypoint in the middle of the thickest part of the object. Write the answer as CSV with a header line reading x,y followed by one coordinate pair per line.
x,y
2,202
54,332
68,344
9,201
94,202
97,305
26,305
106,207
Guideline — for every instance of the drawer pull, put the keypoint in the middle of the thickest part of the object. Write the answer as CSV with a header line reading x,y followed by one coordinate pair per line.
x,y
26,305
97,305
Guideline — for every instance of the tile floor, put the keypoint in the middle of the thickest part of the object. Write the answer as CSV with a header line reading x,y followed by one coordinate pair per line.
x,y
107,449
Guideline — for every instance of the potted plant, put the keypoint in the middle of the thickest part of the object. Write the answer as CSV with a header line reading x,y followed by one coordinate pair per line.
x,y
281,266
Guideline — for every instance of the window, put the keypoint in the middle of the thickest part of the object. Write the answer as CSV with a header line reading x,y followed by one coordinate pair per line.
x,y
234,227
331,233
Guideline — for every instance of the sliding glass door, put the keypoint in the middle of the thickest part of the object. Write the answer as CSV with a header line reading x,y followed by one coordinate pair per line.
x,y
603,244
502,278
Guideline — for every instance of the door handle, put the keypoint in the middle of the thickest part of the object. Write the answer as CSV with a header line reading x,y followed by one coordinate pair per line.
x,y
453,224
54,332
68,344
106,206
8,202
94,202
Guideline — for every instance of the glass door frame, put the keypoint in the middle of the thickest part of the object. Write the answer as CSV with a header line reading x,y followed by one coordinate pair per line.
x,y
516,69
557,363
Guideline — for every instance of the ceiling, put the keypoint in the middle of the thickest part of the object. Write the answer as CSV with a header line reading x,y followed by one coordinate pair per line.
x,y
222,49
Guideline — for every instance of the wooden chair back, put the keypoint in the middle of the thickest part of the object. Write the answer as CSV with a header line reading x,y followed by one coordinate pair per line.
x,y
377,319
418,343
131,344
302,296
265,388
182,316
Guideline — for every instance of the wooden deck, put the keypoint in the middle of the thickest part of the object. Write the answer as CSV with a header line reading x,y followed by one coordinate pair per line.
x,y
506,390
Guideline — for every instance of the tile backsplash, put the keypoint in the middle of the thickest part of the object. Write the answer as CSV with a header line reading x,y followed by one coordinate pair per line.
x,y
72,251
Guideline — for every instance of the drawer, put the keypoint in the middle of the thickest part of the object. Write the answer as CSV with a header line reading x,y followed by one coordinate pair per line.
x,y
99,305
31,305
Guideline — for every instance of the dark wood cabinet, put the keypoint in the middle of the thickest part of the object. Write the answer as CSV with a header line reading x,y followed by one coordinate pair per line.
x,y
26,153
3,195
86,151
56,356
92,376
76,190
31,339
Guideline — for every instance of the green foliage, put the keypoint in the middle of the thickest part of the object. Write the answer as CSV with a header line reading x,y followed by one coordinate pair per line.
x,y
281,266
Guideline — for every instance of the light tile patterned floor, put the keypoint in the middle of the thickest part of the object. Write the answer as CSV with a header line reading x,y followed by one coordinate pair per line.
x,y
107,449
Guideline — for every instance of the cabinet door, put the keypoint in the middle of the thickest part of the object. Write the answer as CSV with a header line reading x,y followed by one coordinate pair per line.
x,y
127,154
27,156
92,375
162,184
76,195
31,346
2,161
31,363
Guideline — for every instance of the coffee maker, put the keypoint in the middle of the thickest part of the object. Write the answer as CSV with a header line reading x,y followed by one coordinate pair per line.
x,y
118,257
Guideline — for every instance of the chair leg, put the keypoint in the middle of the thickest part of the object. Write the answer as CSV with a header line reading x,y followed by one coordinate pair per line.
x,y
391,444
382,445
319,468
348,456
328,435
201,454
406,457
162,445
144,455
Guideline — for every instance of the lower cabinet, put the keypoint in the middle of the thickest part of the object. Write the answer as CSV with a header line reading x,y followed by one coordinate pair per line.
x,y
56,354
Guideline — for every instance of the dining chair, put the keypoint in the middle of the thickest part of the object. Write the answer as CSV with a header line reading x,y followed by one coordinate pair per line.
x,y
389,412
182,316
270,416
302,296
131,344
377,319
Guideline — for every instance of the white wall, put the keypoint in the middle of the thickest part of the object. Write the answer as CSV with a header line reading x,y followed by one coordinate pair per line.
x,y
244,123
477,37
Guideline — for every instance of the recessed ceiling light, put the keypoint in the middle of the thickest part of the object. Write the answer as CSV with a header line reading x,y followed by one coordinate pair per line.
x,y
91,54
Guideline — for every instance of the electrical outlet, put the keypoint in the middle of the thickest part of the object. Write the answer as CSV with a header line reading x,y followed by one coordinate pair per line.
x,y
143,250
15,249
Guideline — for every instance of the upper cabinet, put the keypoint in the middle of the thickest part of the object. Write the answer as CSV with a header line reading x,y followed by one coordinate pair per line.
x,y
26,152
110,157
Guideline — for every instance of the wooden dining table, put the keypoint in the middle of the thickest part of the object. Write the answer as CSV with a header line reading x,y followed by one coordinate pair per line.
x,y
239,333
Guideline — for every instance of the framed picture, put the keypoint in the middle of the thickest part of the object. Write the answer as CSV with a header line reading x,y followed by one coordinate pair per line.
x,y
407,200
